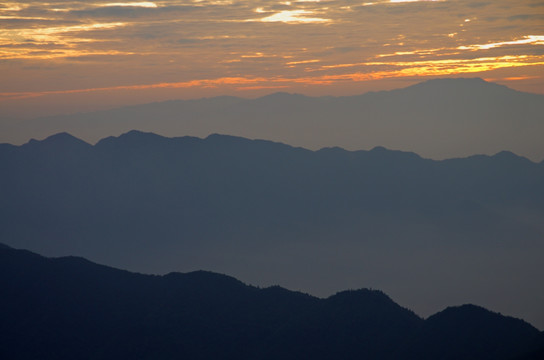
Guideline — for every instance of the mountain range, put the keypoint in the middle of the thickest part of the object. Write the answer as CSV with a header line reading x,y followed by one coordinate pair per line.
x,y
66,308
441,118
430,233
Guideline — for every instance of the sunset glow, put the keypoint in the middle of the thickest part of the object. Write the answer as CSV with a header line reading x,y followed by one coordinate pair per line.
x,y
294,17
405,1
243,48
322,145
135,4
530,39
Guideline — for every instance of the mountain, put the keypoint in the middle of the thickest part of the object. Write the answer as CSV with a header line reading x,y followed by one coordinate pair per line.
x,y
65,308
439,119
430,233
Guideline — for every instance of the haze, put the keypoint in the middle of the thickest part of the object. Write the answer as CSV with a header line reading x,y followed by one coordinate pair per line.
x,y
471,80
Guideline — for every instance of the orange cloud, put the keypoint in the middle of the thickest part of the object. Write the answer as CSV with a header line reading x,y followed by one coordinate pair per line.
x,y
530,39
294,17
184,84
400,69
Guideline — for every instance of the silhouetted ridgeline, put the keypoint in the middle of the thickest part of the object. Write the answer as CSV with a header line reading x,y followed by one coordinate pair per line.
x,y
266,212
70,308
439,118
62,187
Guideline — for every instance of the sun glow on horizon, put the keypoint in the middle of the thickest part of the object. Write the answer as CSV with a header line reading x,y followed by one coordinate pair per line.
x,y
243,46
131,4
294,17
397,70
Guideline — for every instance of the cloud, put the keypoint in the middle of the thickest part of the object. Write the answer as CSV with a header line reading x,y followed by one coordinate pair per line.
x,y
376,70
313,42
294,17
529,39
144,4
131,12
411,1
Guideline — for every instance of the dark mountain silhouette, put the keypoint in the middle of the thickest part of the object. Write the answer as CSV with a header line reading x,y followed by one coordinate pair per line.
x,y
319,221
66,308
439,118
461,332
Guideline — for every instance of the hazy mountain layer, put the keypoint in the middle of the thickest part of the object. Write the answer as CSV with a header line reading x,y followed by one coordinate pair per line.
x,y
437,119
430,233
68,308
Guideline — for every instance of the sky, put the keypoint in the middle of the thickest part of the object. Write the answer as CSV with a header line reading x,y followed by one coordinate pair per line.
x,y
72,56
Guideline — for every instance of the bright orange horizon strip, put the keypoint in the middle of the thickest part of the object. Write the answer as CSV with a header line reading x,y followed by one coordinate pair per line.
x,y
184,84
410,69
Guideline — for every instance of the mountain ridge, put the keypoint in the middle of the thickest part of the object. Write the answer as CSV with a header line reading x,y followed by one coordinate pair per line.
x,y
441,118
65,137
265,211
174,314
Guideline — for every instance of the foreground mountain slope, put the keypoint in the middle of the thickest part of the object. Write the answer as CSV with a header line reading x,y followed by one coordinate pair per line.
x,y
440,118
267,212
72,308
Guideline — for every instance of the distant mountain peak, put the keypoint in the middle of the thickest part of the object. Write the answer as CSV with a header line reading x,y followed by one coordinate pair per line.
x,y
134,137
215,136
363,293
205,275
458,84
474,314
62,140
59,138
505,154
138,134
393,154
